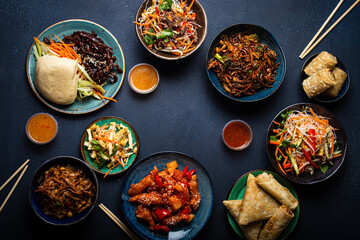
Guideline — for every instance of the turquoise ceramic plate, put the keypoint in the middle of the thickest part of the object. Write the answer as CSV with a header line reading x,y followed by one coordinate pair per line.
x,y
68,27
181,231
238,190
264,37
86,154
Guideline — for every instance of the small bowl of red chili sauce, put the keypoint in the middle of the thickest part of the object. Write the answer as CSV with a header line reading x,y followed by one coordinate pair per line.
x,y
237,135
41,128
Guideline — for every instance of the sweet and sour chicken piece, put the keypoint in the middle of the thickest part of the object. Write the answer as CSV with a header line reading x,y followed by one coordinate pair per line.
x,y
194,191
146,182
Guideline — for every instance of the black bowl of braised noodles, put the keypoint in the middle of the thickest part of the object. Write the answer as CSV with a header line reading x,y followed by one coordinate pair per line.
x,y
63,191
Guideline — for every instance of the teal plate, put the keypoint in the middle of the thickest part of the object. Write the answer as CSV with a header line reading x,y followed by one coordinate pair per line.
x,y
238,190
86,154
67,27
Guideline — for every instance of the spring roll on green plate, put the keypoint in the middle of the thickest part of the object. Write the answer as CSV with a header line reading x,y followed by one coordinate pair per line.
x,y
275,189
252,230
276,224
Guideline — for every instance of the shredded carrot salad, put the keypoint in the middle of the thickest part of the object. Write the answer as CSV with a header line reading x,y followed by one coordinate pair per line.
x,y
169,26
304,141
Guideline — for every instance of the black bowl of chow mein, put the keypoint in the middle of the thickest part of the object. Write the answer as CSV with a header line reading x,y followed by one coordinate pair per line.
x,y
63,191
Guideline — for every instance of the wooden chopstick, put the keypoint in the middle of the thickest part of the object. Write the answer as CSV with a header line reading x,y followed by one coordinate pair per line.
x,y
331,28
13,188
14,174
322,27
118,222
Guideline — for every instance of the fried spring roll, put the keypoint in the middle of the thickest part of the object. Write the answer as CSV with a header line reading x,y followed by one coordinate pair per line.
x,y
340,77
276,224
252,230
318,82
323,60
275,189
257,204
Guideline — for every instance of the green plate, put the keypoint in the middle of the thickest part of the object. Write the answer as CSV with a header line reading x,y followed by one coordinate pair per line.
x,y
67,27
238,190
86,154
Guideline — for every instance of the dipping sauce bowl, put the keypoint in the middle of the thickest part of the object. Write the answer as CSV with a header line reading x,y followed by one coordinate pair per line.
x,y
41,128
143,78
237,135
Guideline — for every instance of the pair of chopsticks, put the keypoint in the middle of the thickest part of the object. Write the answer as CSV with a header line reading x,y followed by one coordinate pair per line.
x,y
16,183
308,48
118,222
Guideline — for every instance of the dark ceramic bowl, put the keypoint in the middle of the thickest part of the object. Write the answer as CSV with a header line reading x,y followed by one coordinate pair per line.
x,y
201,19
264,37
180,231
34,201
344,88
318,176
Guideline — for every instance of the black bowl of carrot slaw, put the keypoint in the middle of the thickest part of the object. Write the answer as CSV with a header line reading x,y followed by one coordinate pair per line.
x,y
306,143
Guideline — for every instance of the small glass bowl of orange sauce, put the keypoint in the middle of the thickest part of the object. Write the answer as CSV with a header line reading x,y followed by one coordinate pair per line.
x,y
143,78
237,135
41,128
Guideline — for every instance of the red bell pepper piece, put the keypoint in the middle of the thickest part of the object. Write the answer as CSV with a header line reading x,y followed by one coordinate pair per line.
x,y
312,141
163,228
308,158
158,182
186,184
185,213
157,11
189,174
161,213
287,165
186,169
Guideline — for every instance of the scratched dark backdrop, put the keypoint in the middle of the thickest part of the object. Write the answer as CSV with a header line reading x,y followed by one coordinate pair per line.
x,y
185,113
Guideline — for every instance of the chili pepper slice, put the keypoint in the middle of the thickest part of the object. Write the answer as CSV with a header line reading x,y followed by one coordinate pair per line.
x,y
186,169
287,165
312,141
161,213
189,174
158,182
308,158
163,228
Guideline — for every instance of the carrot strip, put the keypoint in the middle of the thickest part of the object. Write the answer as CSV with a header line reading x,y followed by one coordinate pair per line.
x,y
111,169
281,168
276,123
117,159
102,96
105,139
337,155
190,6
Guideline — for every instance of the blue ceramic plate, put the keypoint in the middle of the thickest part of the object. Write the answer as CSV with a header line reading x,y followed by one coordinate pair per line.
x,y
142,169
344,88
62,160
264,37
237,192
86,154
68,27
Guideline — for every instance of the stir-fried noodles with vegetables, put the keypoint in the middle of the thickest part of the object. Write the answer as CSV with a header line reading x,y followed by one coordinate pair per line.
x,y
305,141
169,26
110,145
243,64
65,191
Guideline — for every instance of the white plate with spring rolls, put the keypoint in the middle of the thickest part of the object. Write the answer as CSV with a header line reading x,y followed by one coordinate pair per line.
x,y
324,77
259,223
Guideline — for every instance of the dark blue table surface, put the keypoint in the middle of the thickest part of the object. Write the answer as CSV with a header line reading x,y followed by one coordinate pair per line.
x,y
185,113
